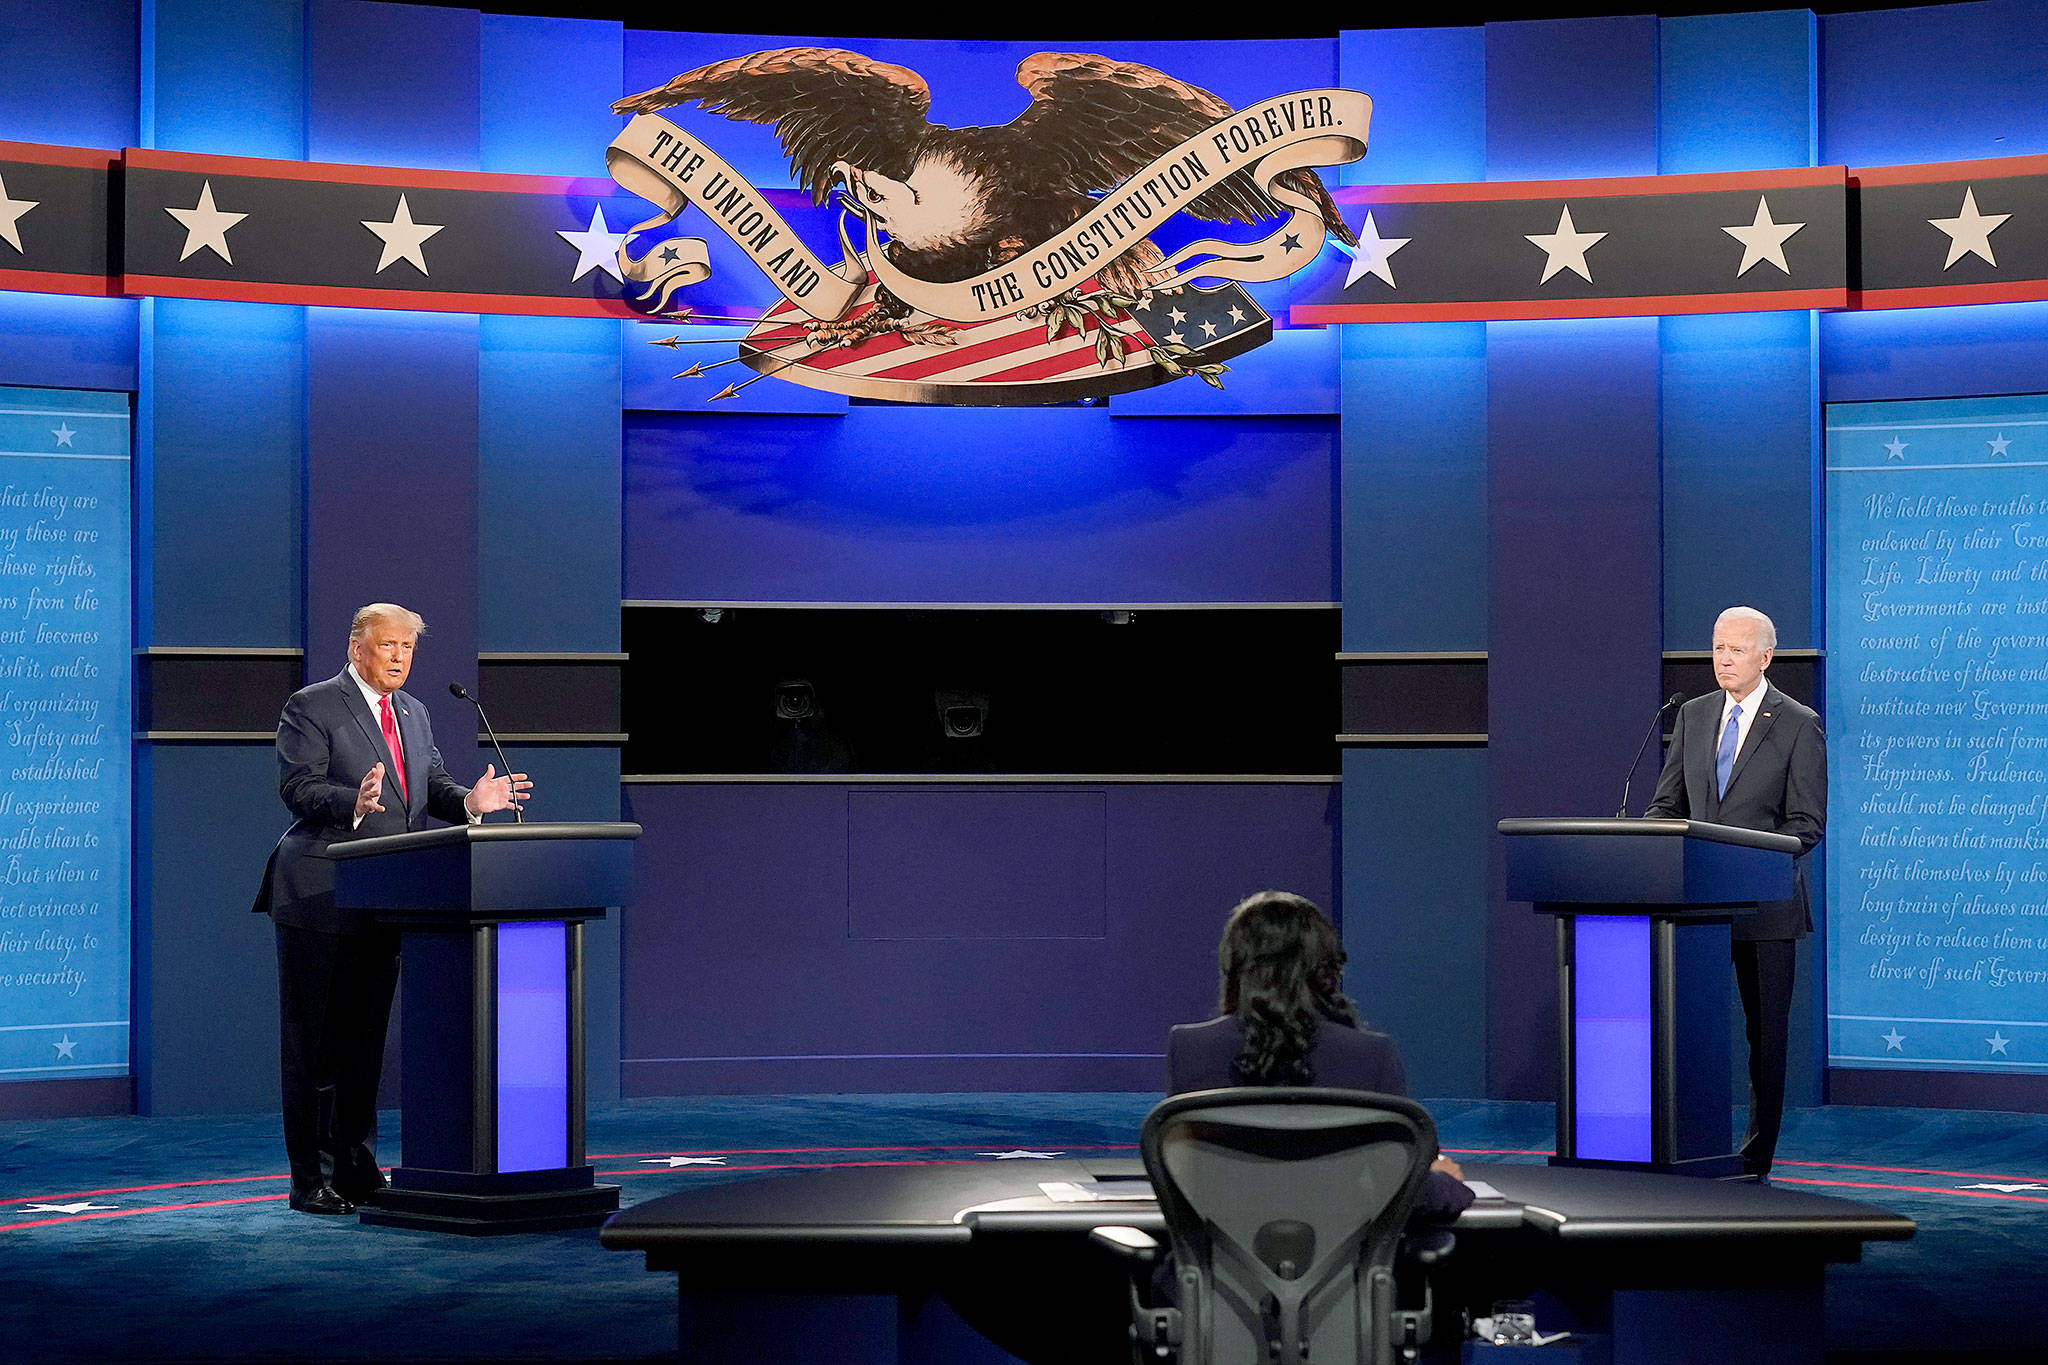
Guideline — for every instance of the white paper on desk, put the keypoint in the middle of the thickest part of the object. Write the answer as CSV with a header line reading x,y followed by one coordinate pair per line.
x,y
1097,1191
1481,1190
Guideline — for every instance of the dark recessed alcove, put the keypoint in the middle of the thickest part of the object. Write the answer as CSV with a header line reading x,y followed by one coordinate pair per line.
x,y
1224,691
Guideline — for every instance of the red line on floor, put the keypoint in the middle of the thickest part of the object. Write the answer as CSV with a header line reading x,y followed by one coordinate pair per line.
x,y
1910,1189
1915,1170
800,1166
897,1147
142,1189
130,1213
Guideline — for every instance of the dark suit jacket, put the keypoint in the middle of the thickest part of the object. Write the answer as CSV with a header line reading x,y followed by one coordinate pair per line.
x,y
1779,784
327,739
1198,1057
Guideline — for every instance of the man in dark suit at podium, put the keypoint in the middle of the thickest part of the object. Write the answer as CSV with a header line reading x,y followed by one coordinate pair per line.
x,y
356,759
1750,756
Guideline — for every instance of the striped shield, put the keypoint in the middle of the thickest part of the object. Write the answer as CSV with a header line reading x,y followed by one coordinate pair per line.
x,y
1090,351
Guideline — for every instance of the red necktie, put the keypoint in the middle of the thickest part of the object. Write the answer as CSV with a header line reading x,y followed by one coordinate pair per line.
x,y
397,751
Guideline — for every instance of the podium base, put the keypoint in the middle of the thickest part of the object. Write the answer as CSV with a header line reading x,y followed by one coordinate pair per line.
x,y
1720,1167
484,1215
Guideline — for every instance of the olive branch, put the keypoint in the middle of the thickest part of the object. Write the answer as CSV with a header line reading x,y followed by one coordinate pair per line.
x,y
1073,309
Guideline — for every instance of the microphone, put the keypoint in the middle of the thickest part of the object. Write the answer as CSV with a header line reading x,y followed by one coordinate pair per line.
x,y
1673,700
455,689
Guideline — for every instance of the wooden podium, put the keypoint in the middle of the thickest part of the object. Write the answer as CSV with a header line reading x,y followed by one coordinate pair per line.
x,y
1643,909
491,1048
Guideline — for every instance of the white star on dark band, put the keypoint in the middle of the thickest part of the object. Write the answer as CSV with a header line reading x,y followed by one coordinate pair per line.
x,y
403,238
1565,249
1969,232
11,211
1762,240
206,226
1375,254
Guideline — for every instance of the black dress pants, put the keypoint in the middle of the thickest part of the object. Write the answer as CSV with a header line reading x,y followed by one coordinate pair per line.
x,y
1763,977
334,998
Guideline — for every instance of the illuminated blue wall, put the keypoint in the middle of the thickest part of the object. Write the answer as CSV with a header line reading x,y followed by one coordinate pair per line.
x,y
1415,473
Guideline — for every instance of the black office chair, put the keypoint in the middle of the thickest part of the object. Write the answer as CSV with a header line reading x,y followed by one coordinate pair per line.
x,y
1286,1208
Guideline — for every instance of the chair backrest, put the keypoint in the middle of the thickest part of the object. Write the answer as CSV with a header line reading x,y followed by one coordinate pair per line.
x,y
1285,1207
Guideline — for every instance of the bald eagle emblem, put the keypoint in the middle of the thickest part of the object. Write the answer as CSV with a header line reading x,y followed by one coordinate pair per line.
x,y
977,239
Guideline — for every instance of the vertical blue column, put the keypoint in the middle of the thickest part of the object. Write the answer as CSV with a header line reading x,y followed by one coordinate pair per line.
x,y
1573,496
220,452
1741,392
549,500
1413,508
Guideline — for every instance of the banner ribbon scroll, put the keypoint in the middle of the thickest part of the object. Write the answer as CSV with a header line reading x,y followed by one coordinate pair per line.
x,y
659,162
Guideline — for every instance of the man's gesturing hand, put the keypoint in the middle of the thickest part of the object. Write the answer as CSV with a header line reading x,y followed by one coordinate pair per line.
x,y
492,792
369,795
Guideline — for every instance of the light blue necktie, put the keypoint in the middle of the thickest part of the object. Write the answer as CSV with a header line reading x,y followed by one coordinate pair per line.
x,y
1724,757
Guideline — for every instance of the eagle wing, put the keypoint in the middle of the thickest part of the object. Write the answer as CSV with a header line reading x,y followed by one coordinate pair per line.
x,y
827,105
1096,122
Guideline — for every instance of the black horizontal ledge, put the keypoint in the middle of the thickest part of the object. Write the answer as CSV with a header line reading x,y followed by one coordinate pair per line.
x,y
981,779
1413,741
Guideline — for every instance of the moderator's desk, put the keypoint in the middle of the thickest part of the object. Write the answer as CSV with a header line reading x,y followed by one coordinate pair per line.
x,y
838,1264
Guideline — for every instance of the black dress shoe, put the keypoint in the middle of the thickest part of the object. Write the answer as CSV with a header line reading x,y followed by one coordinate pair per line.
x,y
364,1189
321,1200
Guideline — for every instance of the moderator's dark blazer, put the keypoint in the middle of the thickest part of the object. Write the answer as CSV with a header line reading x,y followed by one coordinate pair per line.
x,y
1198,1057
327,739
1779,784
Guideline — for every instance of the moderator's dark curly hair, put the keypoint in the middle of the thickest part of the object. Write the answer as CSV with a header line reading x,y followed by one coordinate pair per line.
x,y
1282,966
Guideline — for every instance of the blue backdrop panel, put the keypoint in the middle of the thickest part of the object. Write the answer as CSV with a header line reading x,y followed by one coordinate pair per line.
x,y
1975,88
228,77
548,510
206,968
1570,98
1740,412
224,399
391,496
62,341
64,726
1414,486
1295,372
1934,352
392,85
1414,861
1576,621
1736,92
545,95
1428,103
890,504
1938,698
68,72
650,371
741,974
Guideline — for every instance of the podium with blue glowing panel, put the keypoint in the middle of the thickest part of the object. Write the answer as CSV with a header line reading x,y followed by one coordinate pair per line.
x,y
1643,909
491,1045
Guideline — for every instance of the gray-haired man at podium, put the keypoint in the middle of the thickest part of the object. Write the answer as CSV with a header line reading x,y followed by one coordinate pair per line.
x,y
1750,756
355,759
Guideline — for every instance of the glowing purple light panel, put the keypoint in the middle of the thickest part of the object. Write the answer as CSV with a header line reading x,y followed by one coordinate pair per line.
x,y
1611,1021
533,1046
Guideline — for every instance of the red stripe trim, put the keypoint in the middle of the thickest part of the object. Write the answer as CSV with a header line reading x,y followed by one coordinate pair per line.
x,y
897,1147
1498,190
347,296
1649,305
342,173
1935,172
1944,295
46,154
58,282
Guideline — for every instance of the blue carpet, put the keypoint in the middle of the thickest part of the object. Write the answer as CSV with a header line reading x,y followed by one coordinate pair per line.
x,y
168,1240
